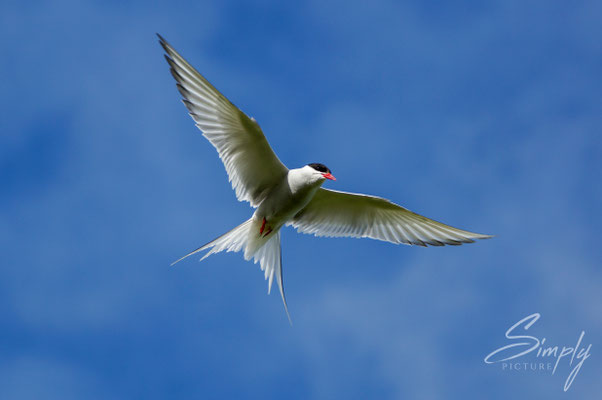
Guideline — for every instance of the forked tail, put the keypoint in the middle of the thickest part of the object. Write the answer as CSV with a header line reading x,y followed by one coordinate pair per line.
x,y
268,253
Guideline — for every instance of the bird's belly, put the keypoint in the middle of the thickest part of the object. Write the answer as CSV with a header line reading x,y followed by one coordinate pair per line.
x,y
282,207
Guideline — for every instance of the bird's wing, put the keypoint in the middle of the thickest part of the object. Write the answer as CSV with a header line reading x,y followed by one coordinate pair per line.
x,y
337,214
251,164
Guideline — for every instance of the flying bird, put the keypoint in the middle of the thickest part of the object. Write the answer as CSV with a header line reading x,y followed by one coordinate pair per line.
x,y
282,196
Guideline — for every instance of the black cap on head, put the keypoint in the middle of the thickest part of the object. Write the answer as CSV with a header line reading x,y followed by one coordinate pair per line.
x,y
320,168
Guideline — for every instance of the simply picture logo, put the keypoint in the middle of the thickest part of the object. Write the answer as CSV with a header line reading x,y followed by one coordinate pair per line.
x,y
530,353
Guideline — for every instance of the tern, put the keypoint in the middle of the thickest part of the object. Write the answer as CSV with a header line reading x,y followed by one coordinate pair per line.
x,y
282,196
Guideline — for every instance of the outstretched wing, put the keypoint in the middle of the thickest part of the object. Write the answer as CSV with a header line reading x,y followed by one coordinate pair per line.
x,y
250,162
338,214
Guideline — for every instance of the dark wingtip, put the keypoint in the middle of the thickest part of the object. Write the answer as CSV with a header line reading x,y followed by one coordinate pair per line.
x,y
164,43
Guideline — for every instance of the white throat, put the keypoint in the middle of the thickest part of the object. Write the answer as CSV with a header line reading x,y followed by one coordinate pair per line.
x,y
300,179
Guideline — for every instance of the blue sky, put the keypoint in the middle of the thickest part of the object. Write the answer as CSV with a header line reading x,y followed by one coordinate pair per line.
x,y
483,115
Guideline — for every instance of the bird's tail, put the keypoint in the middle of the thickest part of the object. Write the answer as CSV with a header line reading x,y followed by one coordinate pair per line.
x,y
265,250
234,240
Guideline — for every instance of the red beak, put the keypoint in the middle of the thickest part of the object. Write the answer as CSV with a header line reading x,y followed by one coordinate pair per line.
x,y
329,176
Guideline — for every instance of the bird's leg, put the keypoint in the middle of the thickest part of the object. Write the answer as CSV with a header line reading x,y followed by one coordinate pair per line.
x,y
267,229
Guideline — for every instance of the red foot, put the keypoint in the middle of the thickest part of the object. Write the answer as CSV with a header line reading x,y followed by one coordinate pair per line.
x,y
268,232
262,226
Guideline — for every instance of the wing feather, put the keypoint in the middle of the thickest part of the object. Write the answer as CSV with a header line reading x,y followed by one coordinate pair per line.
x,y
252,166
341,214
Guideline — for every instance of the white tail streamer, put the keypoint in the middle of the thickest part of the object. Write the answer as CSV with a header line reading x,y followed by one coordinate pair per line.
x,y
268,254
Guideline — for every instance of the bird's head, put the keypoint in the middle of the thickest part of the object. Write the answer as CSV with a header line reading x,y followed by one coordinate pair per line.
x,y
321,171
